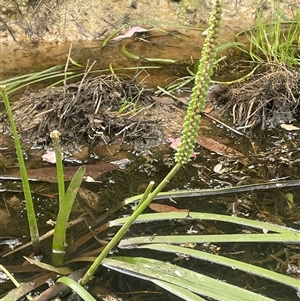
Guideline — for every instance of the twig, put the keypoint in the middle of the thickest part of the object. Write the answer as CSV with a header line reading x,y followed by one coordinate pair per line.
x,y
224,124
87,71
67,66
172,96
9,30
46,235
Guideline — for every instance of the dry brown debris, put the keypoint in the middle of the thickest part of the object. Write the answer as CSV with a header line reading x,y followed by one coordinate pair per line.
x,y
85,111
268,99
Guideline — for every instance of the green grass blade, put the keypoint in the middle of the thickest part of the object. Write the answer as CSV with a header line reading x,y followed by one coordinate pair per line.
x,y
231,263
102,71
274,42
178,290
59,237
15,87
21,78
228,45
146,268
115,32
75,63
19,291
33,228
265,227
214,238
76,287
139,210
48,267
16,83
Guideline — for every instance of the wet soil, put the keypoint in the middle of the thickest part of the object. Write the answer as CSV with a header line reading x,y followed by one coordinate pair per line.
x,y
74,20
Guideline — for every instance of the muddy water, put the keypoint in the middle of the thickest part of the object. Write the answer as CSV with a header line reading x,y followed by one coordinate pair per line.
x,y
180,48
153,164
183,47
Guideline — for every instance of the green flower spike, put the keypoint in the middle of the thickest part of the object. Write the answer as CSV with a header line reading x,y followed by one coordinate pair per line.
x,y
202,80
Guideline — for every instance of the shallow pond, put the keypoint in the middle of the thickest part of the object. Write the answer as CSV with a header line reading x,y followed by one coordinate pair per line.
x,y
272,156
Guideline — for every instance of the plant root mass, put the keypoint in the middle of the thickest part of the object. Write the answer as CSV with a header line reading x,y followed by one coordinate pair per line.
x,y
268,99
95,109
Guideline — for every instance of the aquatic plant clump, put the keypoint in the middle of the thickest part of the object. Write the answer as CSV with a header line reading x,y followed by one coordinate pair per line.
x,y
202,80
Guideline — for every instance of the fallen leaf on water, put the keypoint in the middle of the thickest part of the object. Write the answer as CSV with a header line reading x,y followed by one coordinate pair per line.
x,y
221,149
49,156
165,208
289,127
175,143
122,163
218,168
130,33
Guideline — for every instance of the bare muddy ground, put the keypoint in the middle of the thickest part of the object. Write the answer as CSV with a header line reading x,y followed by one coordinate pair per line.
x,y
86,19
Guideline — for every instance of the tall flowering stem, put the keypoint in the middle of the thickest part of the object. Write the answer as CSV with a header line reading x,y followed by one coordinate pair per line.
x,y
202,80
189,133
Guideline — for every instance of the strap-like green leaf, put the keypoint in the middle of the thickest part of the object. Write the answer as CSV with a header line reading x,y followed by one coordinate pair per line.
x,y
150,269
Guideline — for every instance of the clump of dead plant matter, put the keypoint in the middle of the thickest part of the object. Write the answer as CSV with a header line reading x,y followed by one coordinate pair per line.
x,y
267,99
99,108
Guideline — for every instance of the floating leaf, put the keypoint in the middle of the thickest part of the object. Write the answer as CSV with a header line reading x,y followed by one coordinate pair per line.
x,y
130,33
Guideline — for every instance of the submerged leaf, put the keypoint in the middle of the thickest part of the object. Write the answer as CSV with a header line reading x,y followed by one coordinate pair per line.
x,y
48,174
89,197
48,267
290,200
175,143
222,149
165,208
151,269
